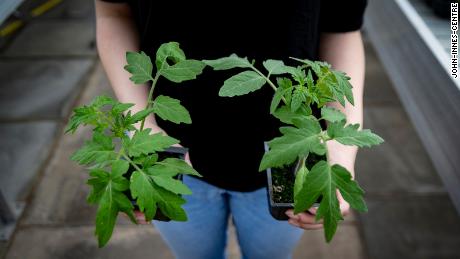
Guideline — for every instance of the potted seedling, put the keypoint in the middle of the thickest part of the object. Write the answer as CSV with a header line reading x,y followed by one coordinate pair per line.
x,y
297,164
129,166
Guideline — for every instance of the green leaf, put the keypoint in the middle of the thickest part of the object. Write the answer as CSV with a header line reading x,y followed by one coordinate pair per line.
x,y
276,67
168,51
161,170
170,109
119,168
85,115
82,116
314,185
320,182
119,108
351,135
344,85
309,124
350,190
315,65
170,204
101,101
310,82
173,211
280,92
105,219
146,160
145,143
293,144
230,62
300,177
140,66
125,205
98,150
242,83
284,113
138,116
143,191
107,190
285,83
298,98
331,114
98,180
171,184
327,90
150,195
179,165
183,70
324,180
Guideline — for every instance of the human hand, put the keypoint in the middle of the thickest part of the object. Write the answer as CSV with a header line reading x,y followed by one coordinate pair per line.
x,y
306,220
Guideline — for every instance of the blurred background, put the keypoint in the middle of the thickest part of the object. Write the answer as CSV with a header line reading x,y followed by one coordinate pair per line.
x,y
49,64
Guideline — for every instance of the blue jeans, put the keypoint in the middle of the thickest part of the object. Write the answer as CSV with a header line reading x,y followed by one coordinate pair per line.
x,y
204,235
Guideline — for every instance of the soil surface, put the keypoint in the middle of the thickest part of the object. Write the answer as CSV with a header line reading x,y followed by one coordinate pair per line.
x,y
283,185
283,179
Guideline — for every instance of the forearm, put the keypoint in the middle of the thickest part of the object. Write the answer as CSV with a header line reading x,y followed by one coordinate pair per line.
x,y
115,34
345,52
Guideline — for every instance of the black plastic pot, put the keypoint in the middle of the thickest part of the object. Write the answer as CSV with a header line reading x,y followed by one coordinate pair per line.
x,y
174,152
278,209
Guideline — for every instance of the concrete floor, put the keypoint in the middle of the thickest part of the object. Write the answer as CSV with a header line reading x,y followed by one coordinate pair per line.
x,y
44,74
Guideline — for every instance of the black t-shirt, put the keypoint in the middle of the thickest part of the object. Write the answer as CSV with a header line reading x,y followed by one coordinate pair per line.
x,y
226,136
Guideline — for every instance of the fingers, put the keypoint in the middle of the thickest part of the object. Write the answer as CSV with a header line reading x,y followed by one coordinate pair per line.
x,y
140,218
304,220
305,226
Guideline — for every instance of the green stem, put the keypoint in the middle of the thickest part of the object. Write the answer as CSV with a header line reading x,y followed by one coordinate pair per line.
x,y
270,83
132,163
154,82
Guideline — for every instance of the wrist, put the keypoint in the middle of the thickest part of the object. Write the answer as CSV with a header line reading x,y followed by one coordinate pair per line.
x,y
342,155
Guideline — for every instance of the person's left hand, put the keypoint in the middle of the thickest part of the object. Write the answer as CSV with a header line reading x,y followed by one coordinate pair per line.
x,y
306,220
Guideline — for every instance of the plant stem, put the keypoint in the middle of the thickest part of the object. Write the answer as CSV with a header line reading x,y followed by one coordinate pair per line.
x,y
132,163
122,153
154,82
272,85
